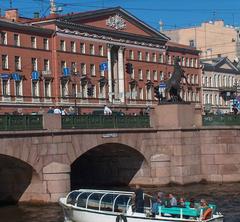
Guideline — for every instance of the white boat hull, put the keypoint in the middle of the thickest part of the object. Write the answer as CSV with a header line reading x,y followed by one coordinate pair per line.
x,y
77,214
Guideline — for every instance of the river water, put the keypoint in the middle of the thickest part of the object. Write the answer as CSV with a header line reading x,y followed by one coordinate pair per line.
x,y
226,196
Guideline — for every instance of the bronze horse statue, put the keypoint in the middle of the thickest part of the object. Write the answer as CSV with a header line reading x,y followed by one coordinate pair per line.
x,y
173,84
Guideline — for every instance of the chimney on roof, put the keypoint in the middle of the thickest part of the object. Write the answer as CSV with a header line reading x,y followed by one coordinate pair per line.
x,y
12,14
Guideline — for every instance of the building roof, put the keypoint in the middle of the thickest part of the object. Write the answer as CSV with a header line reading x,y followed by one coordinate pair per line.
x,y
176,47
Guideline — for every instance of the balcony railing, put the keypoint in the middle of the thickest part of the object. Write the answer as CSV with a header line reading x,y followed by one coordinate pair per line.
x,y
221,120
104,122
21,122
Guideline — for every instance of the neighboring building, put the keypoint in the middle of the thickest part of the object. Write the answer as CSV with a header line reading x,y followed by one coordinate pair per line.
x,y
214,39
83,60
221,80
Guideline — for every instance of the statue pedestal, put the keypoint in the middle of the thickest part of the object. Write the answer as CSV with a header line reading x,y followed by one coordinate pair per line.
x,y
183,115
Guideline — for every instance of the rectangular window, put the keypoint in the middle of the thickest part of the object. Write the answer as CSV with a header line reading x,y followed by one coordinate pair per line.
x,y
140,75
74,67
18,88
47,88
4,61
148,75
62,45
161,58
64,88
154,57
73,46
63,65
183,61
34,64
83,69
168,59
191,43
139,55
33,42
92,70
5,87
16,40
35,88
131,54
147,56
141,93
45,44
101,50
18,63
92,50
155,75
82,48
161,75
46,65
4,38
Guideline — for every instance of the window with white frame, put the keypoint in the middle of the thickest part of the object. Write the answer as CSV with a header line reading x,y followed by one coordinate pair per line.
x,y
149,93
45,44
83,69
183,61
161,58
140,74
63,65
3,38
73,46
46,65
155,75
133,74
62,45
187,62
100,48
35,88
74,67
92,49
34,64
18,88
102,91
196,79
82,48
148,74
154,57
92,70
139,55
47,88
5,87
17,62
147,56
64,88
5,61
169,59
33,42
140,93
16,39
161,75
131,54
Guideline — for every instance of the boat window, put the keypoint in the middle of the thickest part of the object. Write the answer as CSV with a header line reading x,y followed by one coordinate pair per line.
x,y
81,202
71,199
147,201
93,201
107,202
121,203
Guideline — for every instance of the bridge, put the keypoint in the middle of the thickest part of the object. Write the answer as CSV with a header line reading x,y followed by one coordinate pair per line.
x,y
42,165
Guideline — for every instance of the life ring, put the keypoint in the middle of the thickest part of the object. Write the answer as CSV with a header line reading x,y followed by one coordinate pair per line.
x,y
121,218
207,214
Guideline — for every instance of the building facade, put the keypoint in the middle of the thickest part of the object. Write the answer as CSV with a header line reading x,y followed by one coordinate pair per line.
x,y
85,60
213,39
221,81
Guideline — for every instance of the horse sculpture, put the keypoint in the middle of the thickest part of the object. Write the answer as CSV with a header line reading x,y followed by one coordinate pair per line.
x,y
173,85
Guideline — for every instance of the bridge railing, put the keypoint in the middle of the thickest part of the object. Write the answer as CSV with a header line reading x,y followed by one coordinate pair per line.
x,y
221,120
104,122
21,122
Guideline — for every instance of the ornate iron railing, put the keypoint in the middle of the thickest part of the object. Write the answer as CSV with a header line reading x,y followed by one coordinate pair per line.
x,y
221,120
104,122
21,122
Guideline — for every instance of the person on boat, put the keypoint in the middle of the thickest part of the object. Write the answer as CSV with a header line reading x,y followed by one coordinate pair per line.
x,y
157,203
181,203
139,199
192,203
206,210
172,200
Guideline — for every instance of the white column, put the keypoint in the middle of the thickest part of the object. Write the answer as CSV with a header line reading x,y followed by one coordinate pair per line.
x,y
109,72
121,74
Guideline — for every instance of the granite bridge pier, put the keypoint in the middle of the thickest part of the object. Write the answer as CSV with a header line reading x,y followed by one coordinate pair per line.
x,y
42,165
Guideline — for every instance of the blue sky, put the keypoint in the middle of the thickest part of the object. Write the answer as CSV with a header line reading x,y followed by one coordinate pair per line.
x,y
173,13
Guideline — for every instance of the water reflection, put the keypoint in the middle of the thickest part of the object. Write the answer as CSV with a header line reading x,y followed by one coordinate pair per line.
x,y
227,198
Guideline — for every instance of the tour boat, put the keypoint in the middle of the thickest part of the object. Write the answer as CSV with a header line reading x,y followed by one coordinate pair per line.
x,y
87,205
